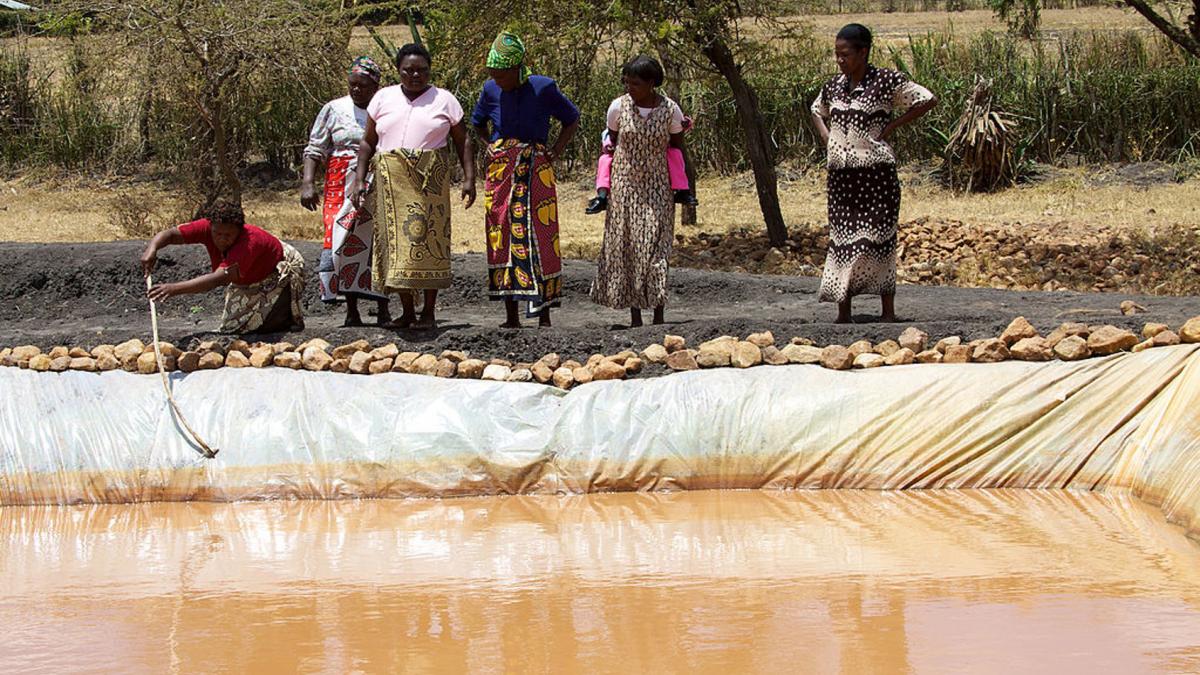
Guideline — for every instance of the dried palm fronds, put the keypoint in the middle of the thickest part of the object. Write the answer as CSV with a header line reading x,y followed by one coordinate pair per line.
x,y
980,155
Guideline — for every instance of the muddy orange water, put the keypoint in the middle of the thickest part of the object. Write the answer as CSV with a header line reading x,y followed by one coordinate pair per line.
x,y
721,581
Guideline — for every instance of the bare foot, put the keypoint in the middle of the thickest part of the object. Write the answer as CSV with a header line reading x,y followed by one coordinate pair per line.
x,y
889,318
544,321
352,322
426,322
405,321
511,323
843,319
658,316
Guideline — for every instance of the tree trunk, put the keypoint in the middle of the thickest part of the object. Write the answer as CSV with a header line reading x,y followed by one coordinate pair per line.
x,y
229,186
754,130
687,214
1188,40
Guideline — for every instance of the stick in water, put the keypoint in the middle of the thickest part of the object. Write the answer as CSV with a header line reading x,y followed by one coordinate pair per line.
x,y
204,449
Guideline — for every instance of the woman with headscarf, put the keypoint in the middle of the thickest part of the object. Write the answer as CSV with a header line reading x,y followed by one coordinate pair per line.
x,y
408,128
345,267
524,262
864,192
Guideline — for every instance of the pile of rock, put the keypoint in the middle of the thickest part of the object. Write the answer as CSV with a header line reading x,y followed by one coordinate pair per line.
x,y
1020,341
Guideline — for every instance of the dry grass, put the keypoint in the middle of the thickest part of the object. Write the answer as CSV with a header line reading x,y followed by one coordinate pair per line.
x,y
897,26
30,212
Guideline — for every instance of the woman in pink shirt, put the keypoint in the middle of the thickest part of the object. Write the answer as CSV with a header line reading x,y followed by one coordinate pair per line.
x,y
408,130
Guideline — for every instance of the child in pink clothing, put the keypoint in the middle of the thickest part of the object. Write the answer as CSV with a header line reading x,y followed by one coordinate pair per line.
x,y
675,168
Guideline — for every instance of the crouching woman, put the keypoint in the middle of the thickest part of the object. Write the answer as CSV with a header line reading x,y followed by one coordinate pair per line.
x,y
263,276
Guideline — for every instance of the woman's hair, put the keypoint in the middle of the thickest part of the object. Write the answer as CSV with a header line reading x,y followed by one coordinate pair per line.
x,y
413,49
225,213
644,68
857,35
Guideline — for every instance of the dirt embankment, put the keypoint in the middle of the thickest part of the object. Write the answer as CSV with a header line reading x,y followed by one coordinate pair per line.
x,y
88,294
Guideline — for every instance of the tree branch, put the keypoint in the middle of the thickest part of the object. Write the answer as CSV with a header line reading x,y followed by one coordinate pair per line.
x,y
1175,33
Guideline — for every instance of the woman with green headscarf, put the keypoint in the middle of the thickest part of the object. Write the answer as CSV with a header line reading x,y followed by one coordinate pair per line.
x,y
520,199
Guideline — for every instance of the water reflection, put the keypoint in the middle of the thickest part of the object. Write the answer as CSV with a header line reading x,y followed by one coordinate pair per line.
x,y
724,581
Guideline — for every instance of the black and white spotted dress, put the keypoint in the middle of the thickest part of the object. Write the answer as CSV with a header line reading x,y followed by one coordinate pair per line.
x,y
864,192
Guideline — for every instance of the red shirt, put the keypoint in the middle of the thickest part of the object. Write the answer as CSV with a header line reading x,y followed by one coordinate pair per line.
x,y
256,251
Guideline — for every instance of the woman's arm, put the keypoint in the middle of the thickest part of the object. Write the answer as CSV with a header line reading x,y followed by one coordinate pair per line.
x,y
564,139
221,277
466,158
913,113
366,150
308,193
822,130
171,237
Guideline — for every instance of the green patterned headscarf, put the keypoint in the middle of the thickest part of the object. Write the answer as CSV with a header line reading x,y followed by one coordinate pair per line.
x,y
508,52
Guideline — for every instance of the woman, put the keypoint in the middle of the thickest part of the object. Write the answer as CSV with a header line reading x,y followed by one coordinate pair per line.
x,y
264,277
524,261
864,192
345,267
640,223
407,130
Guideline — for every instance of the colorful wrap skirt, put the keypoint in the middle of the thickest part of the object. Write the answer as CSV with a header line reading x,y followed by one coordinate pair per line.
x,y
270,305
345,267
412,217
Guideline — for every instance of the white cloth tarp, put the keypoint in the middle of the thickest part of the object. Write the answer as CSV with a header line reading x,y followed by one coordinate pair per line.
x,y
1125,421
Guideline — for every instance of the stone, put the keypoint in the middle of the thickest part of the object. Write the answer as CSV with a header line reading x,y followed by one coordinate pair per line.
x,y
563,378
509,364
583,375
803,342
292,360
60,363
1064,331
914,339
746,355
40,362
594,360
552,361
929,356
360,362
24,353
106,362
404,361
445,368
471,369
1167,338
520,375
211,361
1072,348
542,373
388,351
4,356
1142,346
901,357
571,364
380,366
236,359
797,353
624,356
84,363
1152,329
316,359
634,366
861,347
674,343
97,351
243,347
262,357
348,350
957,354
773,357
715,353
837,357
609,370
868,360
1190,331
340,366
323,345
189,362
1129,308
147,363
763,339
58,353
209,347
1032,349
682,360
496,373
130,349
425,364
455,357
1018,330
991,351
1110,340
165,348
74,352
281,347
887,348
946,343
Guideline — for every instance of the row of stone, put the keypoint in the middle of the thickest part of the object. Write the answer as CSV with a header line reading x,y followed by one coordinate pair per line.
x,y
1019,341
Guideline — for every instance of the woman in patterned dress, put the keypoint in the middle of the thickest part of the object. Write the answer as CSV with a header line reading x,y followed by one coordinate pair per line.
x,y
345,267
864,192
639,225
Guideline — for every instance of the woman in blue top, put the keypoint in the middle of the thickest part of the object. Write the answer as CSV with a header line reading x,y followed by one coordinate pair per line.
x,y
520,199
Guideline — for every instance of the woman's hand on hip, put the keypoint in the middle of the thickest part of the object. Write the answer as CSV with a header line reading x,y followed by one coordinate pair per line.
x,y
308,196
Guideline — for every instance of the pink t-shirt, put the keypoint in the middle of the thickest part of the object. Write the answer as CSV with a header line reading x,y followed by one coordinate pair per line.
x,y
420,124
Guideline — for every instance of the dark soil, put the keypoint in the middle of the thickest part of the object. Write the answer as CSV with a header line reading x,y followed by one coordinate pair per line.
x,y
89,294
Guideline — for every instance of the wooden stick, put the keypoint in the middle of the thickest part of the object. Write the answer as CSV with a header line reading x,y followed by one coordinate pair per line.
x,y
204,449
